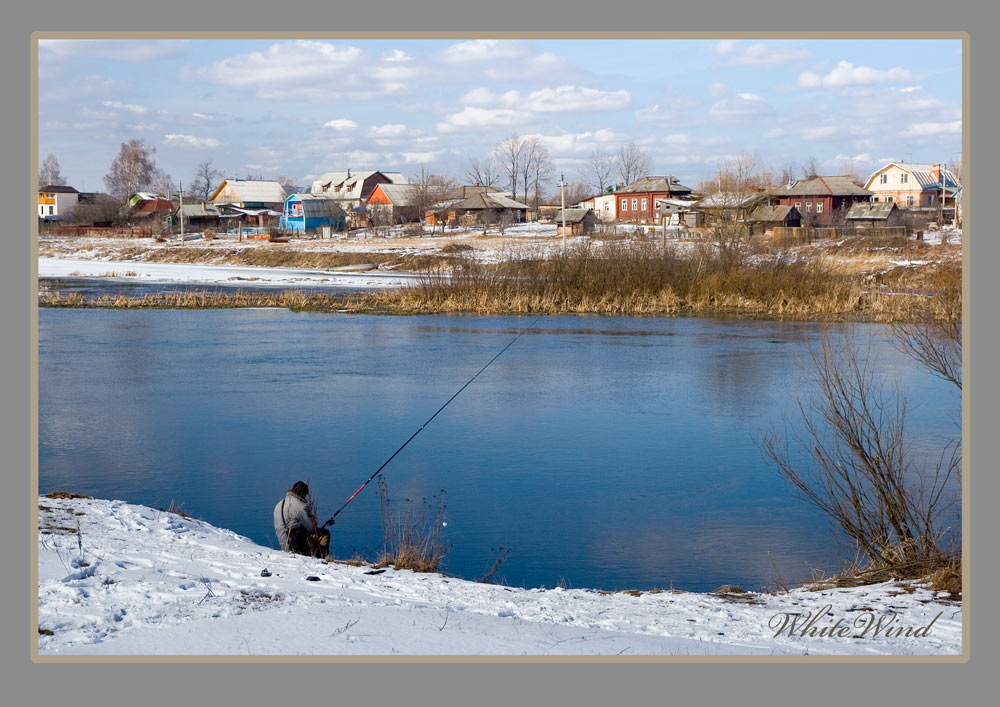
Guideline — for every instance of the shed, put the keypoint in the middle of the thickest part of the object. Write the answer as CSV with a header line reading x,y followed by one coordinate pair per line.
x,y
307,212
402,201
765,218
200,215
578,221
867,215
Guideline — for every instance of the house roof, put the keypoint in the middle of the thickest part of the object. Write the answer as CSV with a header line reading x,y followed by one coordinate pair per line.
x,y
870,210
318,205
649,184
728,200
572,215
486,200
822,186
253,191
768,214
58,189
922,173
148,207
199,210
353,181
400,194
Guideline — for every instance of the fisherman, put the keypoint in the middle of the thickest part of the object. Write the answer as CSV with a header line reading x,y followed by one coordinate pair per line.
x,y
296,525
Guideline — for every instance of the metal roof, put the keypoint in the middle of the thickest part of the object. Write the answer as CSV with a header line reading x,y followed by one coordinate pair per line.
x,y
200,210
922,173
878,210
822,186
400,194
253,191
728,199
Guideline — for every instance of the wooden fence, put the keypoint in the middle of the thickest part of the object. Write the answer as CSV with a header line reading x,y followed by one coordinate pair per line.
x,y
807,234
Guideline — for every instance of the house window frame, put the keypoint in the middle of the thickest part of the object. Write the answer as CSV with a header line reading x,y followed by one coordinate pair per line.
x,y
809,206
883,179
624,204
819,207
635,204
904,178
645,203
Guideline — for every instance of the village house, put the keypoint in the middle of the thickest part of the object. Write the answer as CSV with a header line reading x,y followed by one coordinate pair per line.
x,y
309,212
875,215
150,209
767,218
200,216
679,212
251,202
400,203
603,206
353,189
913,186
470,205
637,201
578,222
725,206
821,200
56,201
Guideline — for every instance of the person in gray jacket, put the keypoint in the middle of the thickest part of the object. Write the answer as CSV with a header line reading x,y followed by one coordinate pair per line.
x,y
296,526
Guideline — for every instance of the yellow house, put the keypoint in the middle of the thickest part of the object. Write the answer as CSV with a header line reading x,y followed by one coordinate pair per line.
x,y
914,186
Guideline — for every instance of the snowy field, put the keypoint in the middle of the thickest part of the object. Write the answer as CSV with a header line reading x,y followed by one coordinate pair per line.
x,y
121,579
218,274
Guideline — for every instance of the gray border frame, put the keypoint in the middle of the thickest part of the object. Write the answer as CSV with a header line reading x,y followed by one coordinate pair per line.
x,y
905,681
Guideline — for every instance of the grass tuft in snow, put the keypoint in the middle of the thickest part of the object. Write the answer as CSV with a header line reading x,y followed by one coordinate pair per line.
x,y
412,535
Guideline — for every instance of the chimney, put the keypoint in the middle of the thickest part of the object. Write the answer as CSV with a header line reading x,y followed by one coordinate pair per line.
x,y
936,169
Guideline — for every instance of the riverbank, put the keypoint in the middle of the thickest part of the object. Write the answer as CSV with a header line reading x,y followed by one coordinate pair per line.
x,y
121,579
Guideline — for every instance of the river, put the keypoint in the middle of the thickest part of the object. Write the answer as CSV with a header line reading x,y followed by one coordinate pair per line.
x,y
612,453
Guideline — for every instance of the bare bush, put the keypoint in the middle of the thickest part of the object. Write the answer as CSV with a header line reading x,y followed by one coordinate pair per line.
x,y
412,536
853,462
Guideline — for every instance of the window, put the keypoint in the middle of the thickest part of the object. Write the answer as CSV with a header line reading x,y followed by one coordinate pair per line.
x,y
809,206
644,202
884,179
52,210
798,204
819,207
624,204
888,200
909,201
635,204
904,178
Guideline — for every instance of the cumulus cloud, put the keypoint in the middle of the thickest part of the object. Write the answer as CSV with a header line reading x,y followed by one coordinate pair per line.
x,y
421,157
472,117
125,106
179,140
953,127
340,124
484,50
578,143
550,100
760,55
390,130
740,106
847,74
397,55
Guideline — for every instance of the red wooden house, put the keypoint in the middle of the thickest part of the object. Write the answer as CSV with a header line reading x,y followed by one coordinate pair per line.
x,y
637,201
822,200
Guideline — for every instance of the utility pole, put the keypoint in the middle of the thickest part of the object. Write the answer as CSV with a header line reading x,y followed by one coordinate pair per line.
x,y
181,209
562,192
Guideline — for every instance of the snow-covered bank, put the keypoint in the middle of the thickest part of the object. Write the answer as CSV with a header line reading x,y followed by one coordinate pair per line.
x,y
218,274
116,578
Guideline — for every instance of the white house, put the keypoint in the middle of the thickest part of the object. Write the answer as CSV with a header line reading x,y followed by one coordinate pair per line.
x,y
56,200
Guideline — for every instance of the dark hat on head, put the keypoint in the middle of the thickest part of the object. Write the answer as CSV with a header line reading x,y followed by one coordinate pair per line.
x,y
300,489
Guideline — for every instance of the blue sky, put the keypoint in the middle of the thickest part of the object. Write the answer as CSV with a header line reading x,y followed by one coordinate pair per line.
x,y
298,107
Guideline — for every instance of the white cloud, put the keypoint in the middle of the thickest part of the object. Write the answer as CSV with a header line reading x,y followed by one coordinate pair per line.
x,y
190,141
740,106
847,74
484,50
203,116
953,127
471,117
820,132
717,88
391,130
550,100
398,55
306,69
775,132
125,106
340,124
578,143
114,49
418,157
760,55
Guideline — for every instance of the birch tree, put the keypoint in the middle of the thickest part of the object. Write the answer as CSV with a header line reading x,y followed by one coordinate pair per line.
x,y
631,163
49,174
133,170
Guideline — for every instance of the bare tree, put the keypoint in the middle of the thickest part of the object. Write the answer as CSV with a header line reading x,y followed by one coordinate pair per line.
x,y
133,170
810,168
933,337
100,210
600,169
206,179
854,463
49,174
536,170
576,191
485,172
510,155
429,189
631,163
162,184
290,185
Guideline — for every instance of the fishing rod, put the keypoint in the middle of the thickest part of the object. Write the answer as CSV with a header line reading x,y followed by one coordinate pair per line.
x,y
467,383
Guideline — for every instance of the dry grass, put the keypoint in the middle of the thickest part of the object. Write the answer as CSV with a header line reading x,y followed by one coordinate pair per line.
x,y
65,494
412,536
